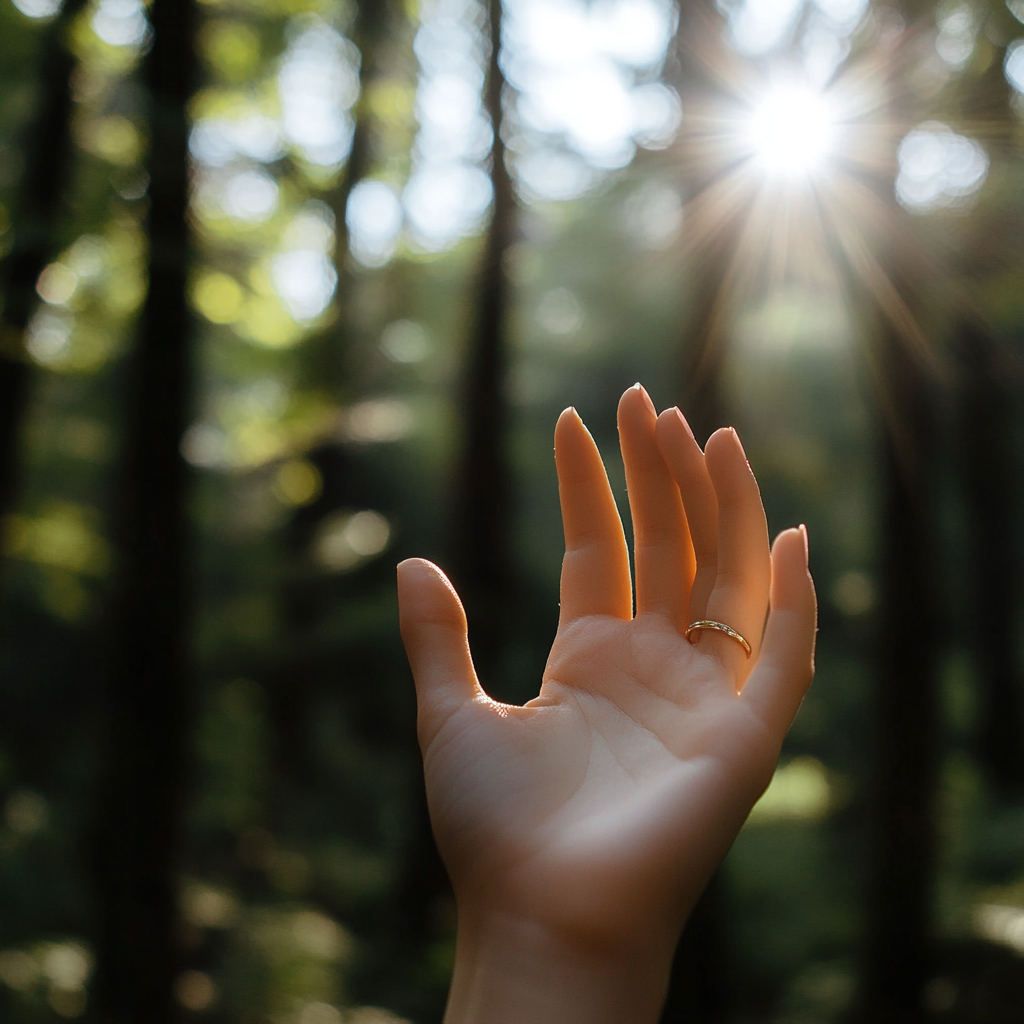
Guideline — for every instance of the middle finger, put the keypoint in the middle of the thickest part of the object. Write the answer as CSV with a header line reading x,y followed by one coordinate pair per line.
x,y
663,554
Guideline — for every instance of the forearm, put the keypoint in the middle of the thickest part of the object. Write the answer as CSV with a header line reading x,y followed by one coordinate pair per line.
x,y
508,971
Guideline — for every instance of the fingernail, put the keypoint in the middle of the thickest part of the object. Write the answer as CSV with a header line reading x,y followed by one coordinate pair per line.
x,y
647,399
684,421
807,543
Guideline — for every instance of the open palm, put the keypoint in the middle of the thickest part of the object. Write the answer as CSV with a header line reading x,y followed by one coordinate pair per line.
x,y
599,809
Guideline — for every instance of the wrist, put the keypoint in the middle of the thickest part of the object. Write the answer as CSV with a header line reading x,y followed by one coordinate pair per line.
x,y
509,970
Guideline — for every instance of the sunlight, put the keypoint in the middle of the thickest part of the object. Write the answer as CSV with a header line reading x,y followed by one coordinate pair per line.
x,y
792,131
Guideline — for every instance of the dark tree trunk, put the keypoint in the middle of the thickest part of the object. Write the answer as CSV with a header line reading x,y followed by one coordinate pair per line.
x,y
483,513
988,473
290,682
898,935
698,987
899,927
47,171
897,955
139,840
989,385
373,19
700,59
704,341
373,22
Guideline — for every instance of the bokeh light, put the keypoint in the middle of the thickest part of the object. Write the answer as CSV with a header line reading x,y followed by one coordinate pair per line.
x,y
38,8
939,168
580,72
374,220
318,83
121,22
1014,65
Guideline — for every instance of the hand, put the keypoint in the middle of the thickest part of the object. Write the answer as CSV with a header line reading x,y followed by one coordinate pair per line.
x,y
579,829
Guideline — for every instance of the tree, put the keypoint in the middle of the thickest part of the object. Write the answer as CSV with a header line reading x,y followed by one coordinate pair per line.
x,y
139,827
48,161
899,936
373,26
986,396
483,496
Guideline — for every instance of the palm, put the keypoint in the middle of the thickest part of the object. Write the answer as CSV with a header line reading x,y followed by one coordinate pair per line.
x,y
605,802
574,795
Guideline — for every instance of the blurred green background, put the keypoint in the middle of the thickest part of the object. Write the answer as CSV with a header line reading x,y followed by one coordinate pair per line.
x,y
281,308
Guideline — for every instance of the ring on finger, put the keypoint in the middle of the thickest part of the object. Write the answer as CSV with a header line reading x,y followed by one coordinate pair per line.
x,y
720,627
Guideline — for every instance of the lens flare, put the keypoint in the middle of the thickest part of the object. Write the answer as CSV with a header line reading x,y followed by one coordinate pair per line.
x,y
791,131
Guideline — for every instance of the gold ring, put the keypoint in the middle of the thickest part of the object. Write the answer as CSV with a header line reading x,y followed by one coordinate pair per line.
x,y
721,627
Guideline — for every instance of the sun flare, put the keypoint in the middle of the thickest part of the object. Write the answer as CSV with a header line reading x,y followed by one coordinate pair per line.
x,y
792,131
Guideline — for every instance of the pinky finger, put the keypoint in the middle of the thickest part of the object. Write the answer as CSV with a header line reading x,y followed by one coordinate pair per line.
x,y
786,664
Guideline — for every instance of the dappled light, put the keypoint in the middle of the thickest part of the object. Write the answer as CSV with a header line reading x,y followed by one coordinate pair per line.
x,y
799,791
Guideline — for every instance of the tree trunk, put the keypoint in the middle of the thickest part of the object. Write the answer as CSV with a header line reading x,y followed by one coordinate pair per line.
x,y
898,937
899,928
373,18
698,986
49,157
483,513
704,342
702,60
988,472
988,379
289,683
139,841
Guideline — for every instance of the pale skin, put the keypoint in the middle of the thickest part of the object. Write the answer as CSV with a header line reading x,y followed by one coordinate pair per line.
x,y
580,828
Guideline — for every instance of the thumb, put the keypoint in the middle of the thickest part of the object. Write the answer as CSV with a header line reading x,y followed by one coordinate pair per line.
x,y
786,663
433,626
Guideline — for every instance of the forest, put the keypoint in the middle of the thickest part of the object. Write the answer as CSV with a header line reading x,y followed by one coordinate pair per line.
x,y
294,289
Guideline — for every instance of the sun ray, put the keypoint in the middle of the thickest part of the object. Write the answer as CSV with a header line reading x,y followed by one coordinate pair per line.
x,y
780,167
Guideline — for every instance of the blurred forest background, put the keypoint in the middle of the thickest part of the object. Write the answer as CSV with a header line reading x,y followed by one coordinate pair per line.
x,y
293,289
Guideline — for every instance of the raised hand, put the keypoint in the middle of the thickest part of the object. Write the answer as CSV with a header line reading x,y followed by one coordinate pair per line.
x,y
580,828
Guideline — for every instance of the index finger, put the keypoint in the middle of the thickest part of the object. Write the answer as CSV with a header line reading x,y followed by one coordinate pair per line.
x,y
595,570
